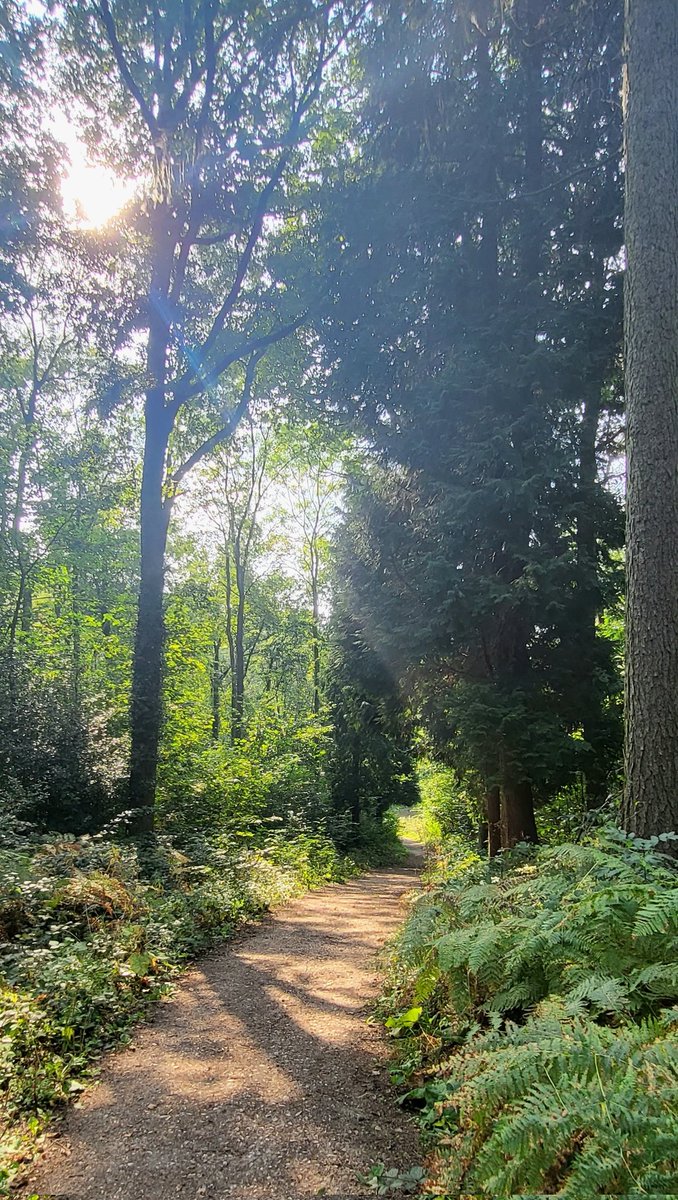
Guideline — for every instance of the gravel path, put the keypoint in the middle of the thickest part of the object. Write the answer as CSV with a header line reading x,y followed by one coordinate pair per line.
x,y
259,1079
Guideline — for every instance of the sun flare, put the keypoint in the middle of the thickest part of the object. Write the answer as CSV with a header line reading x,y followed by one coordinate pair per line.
x,y
92,194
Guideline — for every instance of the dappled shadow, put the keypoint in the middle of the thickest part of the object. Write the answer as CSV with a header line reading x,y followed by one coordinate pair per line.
x,y
260,1079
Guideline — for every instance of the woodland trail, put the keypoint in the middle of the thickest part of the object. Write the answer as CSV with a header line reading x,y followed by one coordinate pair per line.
x,y
259,1079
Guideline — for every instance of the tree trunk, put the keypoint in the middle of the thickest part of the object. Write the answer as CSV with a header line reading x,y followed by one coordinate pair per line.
x,y
493,815
149,642
238,682
76,664
146,706
651,328
589,598
315,634
517,813
215,689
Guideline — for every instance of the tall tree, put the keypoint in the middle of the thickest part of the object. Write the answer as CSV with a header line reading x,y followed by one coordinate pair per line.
x,y
651,319
472,335
29,193
210,104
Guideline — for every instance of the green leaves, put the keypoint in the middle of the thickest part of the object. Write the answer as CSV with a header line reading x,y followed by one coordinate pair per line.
x,y
544,1058
404,1022
386,1181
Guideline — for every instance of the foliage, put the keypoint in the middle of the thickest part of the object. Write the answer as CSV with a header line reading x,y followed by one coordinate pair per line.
x,y
539,993
385,1181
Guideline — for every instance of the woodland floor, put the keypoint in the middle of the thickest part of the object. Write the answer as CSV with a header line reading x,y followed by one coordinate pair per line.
x,y
259,1078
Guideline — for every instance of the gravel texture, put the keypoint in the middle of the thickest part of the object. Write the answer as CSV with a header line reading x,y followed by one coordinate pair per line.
x,y
259,1078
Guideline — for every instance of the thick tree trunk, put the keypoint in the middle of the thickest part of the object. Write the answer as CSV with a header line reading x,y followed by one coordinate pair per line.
x,y
155,509
146,706
651,323
517,813
493,816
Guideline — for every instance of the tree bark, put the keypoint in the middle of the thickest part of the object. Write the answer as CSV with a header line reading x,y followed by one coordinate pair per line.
x,y
589,596
238,682
315,630
493,815
651,332
517,813
215,689
146,704
155,509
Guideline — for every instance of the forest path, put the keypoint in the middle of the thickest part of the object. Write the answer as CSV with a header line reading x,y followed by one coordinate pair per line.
x,y
259,1079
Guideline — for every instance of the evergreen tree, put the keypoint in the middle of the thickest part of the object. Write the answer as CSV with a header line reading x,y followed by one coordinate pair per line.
x,y
474,325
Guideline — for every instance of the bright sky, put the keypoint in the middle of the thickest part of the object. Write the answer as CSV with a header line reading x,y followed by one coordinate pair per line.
x,y
92,194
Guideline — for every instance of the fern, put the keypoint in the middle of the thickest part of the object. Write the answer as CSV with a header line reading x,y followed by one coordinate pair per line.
x,y
562,969
658,915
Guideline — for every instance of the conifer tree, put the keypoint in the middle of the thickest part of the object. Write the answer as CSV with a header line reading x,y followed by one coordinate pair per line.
x,y
477,331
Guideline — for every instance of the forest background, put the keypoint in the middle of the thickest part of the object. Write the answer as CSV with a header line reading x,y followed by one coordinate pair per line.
x,y
311,467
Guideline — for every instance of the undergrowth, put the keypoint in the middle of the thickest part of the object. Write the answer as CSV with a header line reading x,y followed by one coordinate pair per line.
x,y
534,1002
88,942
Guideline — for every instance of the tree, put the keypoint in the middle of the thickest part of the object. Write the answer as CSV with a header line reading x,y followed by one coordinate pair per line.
x,y
651,319
313,477
471,337
239,484
29,193
209,105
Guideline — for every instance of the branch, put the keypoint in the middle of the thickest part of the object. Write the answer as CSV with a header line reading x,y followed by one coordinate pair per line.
x,y
252,240
123,67
182,393
226,430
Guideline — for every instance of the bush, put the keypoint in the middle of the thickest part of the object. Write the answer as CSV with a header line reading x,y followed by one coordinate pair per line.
x,y
534,1003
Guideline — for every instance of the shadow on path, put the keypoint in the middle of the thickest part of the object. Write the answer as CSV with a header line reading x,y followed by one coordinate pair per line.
x,y
260,1078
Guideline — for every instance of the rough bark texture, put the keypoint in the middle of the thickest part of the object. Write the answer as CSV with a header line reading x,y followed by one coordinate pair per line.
x,y
651,319
146,706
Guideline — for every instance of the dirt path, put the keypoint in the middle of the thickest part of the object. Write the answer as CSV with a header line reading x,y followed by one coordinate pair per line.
x,y
259,1079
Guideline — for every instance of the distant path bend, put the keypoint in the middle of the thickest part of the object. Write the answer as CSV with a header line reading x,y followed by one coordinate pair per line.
x,y
259,1079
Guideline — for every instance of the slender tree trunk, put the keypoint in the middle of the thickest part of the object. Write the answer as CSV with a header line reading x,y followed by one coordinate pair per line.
x,y
517,819
238,681
215,689
589,597
315,634
356,781
76,665
651,326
